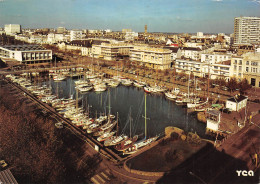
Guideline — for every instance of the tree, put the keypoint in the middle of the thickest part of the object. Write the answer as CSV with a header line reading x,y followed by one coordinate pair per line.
x,y
232,84
244,85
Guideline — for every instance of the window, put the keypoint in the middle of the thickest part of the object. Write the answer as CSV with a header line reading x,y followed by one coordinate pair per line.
x,y
235,61
240,68
254,63
235,67
240,62
247,69
253,81
247,62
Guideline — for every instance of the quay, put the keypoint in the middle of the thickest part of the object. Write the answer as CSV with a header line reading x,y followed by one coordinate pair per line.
x,y
106,152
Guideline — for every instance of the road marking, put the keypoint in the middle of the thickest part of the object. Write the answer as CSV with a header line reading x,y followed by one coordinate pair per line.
x,y
101,179
94,180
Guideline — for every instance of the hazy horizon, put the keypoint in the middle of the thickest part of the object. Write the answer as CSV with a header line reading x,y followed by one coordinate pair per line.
x,y
168,16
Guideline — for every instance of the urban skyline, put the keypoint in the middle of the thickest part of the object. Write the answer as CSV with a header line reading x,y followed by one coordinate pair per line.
x,y
210,16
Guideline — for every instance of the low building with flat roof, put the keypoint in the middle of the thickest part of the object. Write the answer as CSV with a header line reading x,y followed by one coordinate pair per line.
x,y
26,54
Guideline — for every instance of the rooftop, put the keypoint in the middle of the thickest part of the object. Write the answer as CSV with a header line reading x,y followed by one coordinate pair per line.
x,y
25,47
237,98
7,177
192,48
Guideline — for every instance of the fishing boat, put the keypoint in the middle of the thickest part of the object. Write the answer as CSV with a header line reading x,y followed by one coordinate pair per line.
x,y
139,144
139,84
126,144
105,136
85,88
59,78
148,89
126,82
100,88
114,140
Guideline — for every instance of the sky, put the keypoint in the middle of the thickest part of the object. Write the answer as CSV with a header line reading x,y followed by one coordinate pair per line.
x,y
175,16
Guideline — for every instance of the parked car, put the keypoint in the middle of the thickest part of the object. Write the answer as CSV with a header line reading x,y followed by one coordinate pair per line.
x,y
226,110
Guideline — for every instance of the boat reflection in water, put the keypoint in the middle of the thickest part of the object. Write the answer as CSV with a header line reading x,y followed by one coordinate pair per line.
x,y
161,112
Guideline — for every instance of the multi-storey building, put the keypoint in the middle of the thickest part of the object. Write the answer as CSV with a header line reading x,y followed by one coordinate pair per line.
x,y
247,30
200,69
82,45
110,51
61,30
12,29
28,54
191,53
75,35
215,57
188,66
156,58
247,66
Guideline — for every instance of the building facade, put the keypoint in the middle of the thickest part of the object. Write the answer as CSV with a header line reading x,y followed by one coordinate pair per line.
x,y
12,29
27,54
247,66
236,103
75,35
247,30
215,58
156,58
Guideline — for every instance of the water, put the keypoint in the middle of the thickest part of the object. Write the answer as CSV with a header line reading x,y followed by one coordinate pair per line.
x,y
129,102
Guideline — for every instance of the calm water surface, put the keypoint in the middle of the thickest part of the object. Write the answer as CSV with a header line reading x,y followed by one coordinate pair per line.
x,y
130,102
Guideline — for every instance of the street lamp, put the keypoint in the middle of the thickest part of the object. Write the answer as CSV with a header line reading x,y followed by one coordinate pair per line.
x,y
191,173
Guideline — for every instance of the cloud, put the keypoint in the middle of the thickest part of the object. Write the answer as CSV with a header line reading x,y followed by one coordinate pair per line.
x,y
256,1
2,0
217,0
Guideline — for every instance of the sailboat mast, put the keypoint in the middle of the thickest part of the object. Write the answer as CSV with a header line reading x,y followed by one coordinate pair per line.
x,y
77,96
145,114
117,124
109,111
189,86
130,124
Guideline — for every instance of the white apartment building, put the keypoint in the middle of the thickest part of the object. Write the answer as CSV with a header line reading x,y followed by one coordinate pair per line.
x,y
201,69
12,29
188,66
130,36
83,45
247,30
54,38
22,38
110,51
28,54
214,57
156,58
191,53
37,39
75,35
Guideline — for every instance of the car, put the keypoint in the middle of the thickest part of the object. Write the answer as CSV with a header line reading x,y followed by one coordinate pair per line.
x,y
226,110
